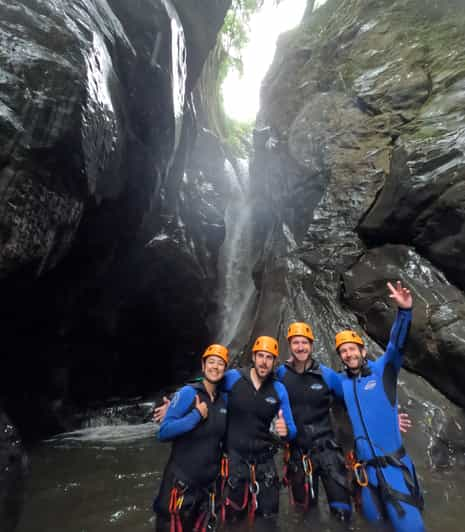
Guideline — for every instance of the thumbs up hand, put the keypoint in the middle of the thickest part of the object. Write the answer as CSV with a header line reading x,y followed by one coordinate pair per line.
x,y
280,425
201,406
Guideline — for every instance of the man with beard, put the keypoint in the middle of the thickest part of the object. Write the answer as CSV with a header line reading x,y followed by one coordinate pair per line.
x,y
255,398
196,423
369,391
314,454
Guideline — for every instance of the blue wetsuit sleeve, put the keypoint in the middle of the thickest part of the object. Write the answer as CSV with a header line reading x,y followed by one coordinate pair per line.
x,y
224,396
180,416
280,372
397,339
333,380
286,408
229,380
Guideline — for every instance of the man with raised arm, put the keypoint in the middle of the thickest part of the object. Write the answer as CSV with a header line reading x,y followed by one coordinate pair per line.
x,y
369,391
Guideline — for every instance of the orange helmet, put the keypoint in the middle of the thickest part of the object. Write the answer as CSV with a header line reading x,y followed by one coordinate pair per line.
x,y
266,343
348,336
300,329
217,350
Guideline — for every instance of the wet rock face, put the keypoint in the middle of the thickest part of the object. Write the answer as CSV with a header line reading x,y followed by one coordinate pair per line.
x,y
365,100
438,329
109,224
12,474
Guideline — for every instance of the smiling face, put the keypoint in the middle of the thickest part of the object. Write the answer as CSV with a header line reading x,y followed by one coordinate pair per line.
x,y
213,368
263,363
353,356
301,348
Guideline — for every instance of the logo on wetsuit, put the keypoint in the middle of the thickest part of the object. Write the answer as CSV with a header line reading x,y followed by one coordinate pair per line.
x,y
223,411
370,385
270,400
316,386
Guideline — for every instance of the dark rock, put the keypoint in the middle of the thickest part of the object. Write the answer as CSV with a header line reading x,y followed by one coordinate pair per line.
x,y
438,329
13,469
354,100
110,226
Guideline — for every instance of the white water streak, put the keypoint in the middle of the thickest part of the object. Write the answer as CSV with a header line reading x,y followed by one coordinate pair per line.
x,y
236,254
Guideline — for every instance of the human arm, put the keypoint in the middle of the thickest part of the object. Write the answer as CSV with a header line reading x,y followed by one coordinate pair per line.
x,y
401,326
180,417
280,372
333,380
230,378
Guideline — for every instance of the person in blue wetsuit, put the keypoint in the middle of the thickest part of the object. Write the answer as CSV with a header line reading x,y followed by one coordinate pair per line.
x,y
314,454
255,399
196,423
369,391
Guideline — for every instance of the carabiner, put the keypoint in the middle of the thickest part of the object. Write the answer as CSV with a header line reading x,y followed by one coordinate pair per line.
x,y
360,476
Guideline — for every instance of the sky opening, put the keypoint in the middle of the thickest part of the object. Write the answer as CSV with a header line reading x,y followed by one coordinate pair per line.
x,y
241,94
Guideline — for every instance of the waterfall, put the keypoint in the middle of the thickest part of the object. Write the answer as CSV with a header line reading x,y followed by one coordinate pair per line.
x,y
236,290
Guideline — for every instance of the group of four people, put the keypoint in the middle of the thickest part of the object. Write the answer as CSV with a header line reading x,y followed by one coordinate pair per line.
x,y
222,457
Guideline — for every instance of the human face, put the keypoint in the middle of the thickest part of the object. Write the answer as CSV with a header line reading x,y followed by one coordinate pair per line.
x,y
263,363
301,348
353,356
213,368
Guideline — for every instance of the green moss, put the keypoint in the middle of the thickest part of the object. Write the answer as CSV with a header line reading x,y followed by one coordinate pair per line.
x,y
239,137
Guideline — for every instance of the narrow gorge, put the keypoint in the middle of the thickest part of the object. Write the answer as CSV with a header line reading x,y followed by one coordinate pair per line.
x,y
131,236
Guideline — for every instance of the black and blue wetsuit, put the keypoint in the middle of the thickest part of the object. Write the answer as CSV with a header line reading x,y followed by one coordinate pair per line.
x,y
248,438
371,402
311,398
195,454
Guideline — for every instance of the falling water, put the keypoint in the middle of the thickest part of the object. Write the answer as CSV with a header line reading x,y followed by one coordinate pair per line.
x,y
237,291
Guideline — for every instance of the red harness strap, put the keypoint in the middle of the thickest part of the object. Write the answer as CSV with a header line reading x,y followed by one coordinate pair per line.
x,y
286,481
308,484
254,489
207,517
224,472
176,500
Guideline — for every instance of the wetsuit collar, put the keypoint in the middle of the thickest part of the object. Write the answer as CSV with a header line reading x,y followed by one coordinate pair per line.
x,y
200,386
314,368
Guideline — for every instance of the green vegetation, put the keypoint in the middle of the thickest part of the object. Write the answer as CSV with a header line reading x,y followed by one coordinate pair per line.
x,y
234,37
238,136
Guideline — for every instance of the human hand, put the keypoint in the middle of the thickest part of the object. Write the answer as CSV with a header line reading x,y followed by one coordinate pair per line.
x,y
400,295
280,425
201,407
405,423
160,412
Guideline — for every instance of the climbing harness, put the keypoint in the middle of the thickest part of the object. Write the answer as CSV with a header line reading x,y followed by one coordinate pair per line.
x,y
254,489
224,475
357,468
307,467
388,493
250,493
308,485
175,505
358,479
207,520
286,481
